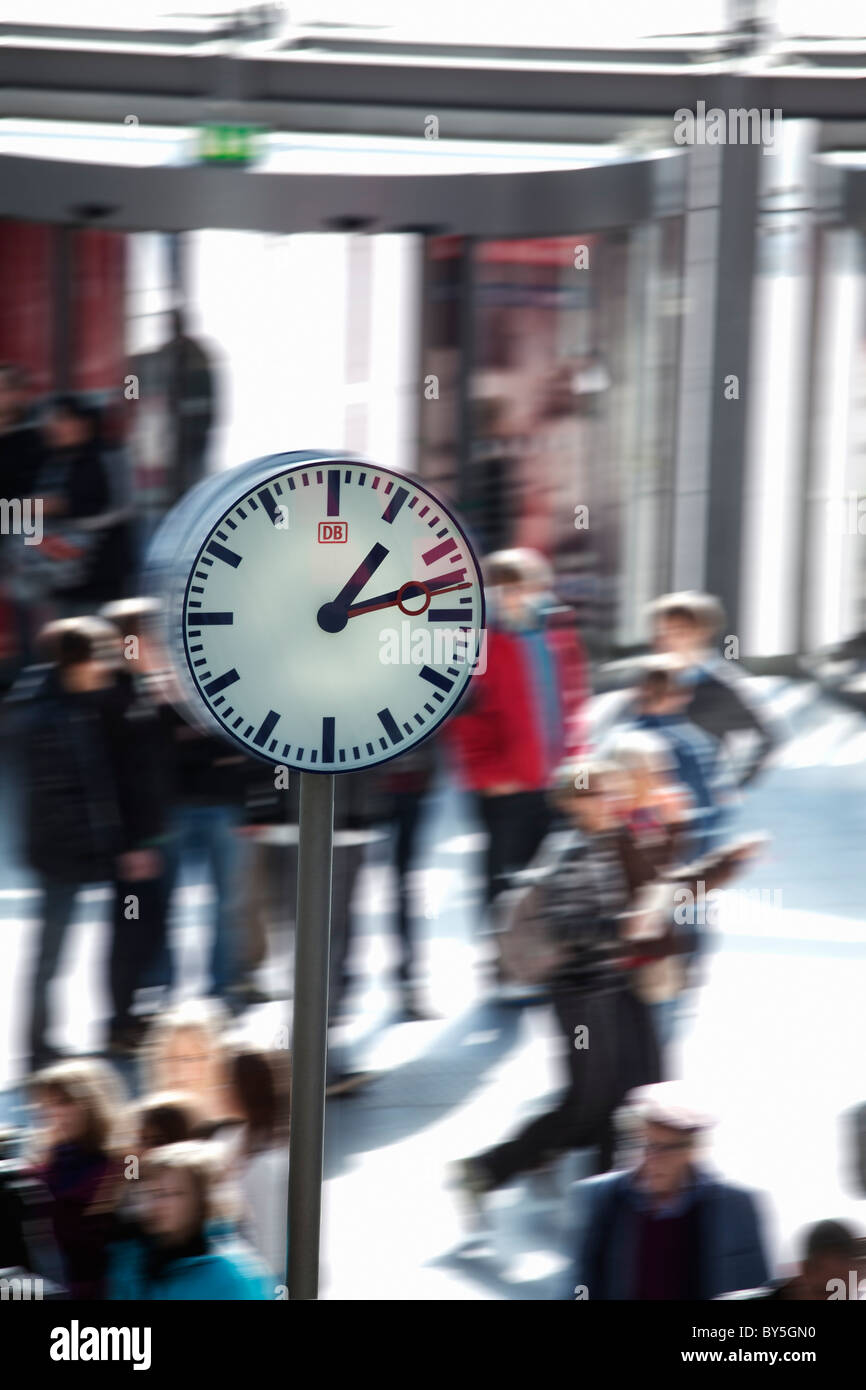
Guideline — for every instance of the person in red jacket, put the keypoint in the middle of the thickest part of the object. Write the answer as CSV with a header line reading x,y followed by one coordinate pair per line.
x,y
523,714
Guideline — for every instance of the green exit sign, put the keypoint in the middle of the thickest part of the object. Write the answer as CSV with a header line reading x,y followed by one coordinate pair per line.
x,y
220,143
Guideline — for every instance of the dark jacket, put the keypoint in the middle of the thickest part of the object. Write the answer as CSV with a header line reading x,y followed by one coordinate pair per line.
x,y
81,1214
88,782
77,476
730,1247
205,770
721,707
583,892
21,452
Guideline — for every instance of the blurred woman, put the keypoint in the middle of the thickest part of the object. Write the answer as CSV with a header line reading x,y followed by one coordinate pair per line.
x,y
261,1086
79,1165
186,1052
179,1256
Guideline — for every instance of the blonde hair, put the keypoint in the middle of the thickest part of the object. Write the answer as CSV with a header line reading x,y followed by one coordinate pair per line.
x,y
96,1089
200,1017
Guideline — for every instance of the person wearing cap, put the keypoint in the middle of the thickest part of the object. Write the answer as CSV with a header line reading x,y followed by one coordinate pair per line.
x,y
667,1228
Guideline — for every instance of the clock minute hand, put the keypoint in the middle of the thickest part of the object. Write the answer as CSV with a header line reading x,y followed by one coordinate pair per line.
x,y
373,605
332,617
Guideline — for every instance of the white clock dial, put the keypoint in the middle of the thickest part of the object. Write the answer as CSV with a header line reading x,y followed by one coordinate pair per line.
x,y
332,613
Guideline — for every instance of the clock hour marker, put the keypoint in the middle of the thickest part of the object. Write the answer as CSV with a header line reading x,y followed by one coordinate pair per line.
x,y
395,504
435,678
333,492
389,724
266,728
448,615
270,506
431,556
228,678
211,619
327,740
222,552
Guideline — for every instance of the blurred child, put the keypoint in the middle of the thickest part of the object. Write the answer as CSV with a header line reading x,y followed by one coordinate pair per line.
x,y
79,1165
179,1256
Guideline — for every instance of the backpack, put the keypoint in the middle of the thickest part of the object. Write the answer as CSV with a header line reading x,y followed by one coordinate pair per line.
x,y
528,951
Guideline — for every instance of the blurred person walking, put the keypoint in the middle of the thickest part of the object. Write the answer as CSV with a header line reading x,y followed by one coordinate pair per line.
x,y
523,714
89,813
140,908
406,786
73,489
606,1032
661,709
667,1228
688,625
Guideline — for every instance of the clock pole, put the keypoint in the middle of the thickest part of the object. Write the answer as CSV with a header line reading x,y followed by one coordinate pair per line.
x,y
310,1031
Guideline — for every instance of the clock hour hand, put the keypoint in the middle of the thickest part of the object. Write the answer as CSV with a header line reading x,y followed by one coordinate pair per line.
x,y
332,617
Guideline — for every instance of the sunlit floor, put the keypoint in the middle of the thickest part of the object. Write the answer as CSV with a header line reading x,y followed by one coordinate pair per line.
x,y
776,1040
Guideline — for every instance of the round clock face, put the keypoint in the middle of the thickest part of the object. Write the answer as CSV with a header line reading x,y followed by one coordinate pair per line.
x,y
333,614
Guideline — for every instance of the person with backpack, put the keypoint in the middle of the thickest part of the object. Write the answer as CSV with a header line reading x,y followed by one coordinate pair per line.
x,y
605,1030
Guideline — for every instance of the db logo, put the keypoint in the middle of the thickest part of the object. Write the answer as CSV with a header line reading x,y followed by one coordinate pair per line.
x,y
333,532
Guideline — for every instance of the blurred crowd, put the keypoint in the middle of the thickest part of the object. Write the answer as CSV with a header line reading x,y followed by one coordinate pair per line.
x,y
158,1169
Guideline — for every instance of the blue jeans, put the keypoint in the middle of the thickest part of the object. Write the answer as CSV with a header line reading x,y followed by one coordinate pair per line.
x,y
202,838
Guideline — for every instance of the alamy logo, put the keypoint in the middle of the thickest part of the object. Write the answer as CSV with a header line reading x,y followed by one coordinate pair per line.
x,y
738,126
75,1343
22,517
22,1287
